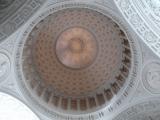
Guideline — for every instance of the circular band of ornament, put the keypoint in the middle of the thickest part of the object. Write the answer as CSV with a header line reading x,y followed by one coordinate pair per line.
x,y
132,12
145,110
5,3
15,13
43,103
4,66
151,77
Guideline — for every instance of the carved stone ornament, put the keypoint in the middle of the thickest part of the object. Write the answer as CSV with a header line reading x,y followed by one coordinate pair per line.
x,y
4,66
144,18
14,13
145,110
151,77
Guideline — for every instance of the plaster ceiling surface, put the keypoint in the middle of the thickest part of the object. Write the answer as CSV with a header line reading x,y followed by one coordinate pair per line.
x,y
144,110
14,13
81,60
144,17
17,110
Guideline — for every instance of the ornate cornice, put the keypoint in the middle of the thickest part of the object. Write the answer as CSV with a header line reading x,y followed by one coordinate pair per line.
x,y
143,17
16,14
144,109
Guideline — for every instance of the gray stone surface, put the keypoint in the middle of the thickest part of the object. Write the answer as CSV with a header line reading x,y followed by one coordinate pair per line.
x,y
135,89
15,13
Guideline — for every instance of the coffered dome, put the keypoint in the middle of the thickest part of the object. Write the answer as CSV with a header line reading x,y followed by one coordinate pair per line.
x,y
82,59
80,55
75,60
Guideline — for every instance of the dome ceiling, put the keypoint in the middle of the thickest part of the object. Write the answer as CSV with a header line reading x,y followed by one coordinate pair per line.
x,y
76,60
74,54
80,60
77,52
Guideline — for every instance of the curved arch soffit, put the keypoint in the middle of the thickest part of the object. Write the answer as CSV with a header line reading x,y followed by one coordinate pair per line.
x,y
143,20
13,109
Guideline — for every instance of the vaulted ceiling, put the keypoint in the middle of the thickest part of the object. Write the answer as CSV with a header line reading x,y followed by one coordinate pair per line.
x,y
82,60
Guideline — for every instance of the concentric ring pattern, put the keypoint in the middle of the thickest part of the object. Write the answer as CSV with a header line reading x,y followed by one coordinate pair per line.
x,y
76,59
143,16
5,3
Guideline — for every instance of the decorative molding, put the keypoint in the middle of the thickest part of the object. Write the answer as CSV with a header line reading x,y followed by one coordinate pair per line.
x,y
4,66
8,45
151,77
145,110
23,10
135,15
5,3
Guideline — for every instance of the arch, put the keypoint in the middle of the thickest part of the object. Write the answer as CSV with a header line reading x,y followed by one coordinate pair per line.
x,y
13,109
